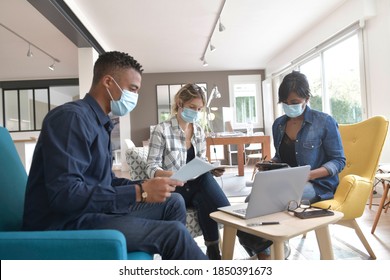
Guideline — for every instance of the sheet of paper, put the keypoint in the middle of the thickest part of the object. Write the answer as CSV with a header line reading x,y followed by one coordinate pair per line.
x,y
193,169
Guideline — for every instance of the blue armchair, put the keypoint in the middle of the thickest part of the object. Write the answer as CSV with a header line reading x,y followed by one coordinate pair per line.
x,y
46,245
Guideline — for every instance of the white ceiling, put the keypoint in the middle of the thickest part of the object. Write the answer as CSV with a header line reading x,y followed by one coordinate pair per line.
x,y
164,36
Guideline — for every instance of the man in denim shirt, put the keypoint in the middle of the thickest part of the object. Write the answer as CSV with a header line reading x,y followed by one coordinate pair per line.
x,y
308,137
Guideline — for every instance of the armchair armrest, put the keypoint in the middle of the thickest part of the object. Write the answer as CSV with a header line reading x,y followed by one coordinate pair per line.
x,y
350,197
63,245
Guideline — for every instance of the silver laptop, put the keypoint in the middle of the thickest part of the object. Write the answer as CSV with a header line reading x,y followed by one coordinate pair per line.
x,y
271,192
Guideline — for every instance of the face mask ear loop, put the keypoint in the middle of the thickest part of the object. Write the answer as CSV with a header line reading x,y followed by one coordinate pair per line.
x,y
118,87
110,94
117,84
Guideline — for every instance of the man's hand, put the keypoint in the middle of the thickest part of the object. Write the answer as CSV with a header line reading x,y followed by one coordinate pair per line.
x,y
160,188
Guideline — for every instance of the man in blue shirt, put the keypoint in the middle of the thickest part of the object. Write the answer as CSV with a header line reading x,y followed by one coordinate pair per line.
x,y
71,185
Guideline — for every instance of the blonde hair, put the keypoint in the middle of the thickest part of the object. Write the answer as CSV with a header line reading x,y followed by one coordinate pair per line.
x,y
185,94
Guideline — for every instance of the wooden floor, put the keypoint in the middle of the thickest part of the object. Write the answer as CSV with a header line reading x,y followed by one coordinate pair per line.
x,y
346,244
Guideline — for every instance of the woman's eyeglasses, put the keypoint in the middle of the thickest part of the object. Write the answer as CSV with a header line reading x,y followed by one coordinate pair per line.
x,y
193,89
295,207
197,89
299,210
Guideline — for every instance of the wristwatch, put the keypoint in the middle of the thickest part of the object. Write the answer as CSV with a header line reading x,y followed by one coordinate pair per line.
x,y
144,194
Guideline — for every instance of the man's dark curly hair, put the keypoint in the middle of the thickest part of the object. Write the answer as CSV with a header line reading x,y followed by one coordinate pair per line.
x,y
110,63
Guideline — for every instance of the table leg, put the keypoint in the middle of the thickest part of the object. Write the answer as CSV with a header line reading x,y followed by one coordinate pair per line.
x,y
266,148
324,243
208,153
277,250
240,159
229,238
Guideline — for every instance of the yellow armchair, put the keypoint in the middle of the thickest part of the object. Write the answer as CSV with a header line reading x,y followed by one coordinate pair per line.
x,y
363,143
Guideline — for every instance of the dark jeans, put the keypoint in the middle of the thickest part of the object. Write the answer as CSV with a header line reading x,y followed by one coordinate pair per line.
x,y
156,228
205,195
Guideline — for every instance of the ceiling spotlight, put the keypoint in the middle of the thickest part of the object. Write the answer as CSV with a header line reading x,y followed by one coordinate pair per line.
x,y
52,66
208,46
29,52
221,26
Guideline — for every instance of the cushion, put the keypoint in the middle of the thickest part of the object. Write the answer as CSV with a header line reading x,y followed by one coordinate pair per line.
x,y
192,223
136,159
13,178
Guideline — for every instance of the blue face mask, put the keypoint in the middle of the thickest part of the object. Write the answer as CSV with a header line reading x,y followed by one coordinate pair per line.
x,y
125,104
294,110
190,116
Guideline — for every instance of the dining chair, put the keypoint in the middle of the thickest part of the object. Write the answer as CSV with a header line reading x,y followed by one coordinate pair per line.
x,y
253,153
384,203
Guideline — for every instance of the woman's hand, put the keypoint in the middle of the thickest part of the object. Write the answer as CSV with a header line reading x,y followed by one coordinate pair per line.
x,y
261,167
218,172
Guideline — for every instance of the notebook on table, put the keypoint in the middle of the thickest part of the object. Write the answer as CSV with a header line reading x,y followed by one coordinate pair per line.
x,y
271,192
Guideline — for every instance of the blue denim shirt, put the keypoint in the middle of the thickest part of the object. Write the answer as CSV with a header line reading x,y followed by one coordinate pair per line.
x,y
71,173
318,144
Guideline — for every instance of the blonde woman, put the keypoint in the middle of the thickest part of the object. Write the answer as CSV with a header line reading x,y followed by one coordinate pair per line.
x,y
175,142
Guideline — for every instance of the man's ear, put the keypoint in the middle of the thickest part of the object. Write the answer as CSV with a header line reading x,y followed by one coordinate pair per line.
x,y
106,81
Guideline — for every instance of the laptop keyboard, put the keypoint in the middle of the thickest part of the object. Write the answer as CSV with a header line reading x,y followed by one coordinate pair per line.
x,y
241,211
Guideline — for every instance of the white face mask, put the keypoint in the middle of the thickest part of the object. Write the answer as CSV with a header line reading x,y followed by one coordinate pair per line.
x,y
125,104
294,110
190,116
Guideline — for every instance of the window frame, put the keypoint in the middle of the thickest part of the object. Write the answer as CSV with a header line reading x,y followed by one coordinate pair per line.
x,y
245,79
31,85
318,51
18,105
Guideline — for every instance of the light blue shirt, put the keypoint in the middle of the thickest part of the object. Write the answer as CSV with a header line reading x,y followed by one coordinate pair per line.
x,y
318,144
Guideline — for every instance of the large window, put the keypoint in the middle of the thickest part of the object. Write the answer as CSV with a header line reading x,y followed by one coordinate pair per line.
x,y
41,101
246,101
334,72
342,84
25,109
11,110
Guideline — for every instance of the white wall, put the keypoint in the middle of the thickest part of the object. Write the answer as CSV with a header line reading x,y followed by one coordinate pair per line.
x,y
86,59
376,15
125,133
377,42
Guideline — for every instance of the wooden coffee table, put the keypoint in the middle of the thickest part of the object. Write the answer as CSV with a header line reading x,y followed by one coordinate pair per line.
x,y
289,227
